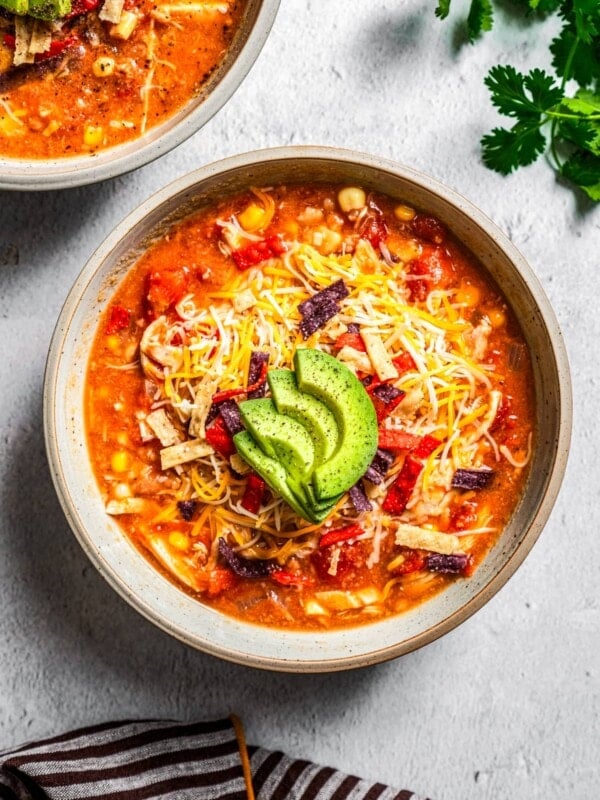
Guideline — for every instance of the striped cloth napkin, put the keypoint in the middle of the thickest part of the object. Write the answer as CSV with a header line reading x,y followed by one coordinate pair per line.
x,y
172,761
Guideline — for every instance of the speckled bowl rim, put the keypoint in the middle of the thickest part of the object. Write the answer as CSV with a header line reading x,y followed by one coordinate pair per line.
x,y
20,174
227,648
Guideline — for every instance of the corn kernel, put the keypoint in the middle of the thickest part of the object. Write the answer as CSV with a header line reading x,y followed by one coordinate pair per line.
x,y
113,343
51,128
351,198
326,241
121,491
291,229
103,66
93,135
467,295
179,541
404,213
120,461
252,217
497,317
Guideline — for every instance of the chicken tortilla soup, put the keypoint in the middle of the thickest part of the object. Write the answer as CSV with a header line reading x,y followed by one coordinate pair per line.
x,y
77,76
309,407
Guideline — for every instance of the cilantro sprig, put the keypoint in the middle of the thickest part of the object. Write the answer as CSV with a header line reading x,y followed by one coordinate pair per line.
x,y
556,113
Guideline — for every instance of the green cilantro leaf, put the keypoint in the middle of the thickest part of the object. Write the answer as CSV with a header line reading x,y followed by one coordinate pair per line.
x,y
545,6
480,18
587,19
508,88
573,56
505,150
443,9
584,170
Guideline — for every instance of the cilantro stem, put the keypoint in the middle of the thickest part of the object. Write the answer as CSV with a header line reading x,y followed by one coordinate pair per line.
x,y
556,116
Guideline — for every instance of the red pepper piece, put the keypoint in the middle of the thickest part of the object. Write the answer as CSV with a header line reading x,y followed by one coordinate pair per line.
x,y
286,578
253,493
257,252
426,446
165,287
219,437
219,580
404,363
340,535
227,394
383,409
400,491
57,46
118,320
397,440
353,340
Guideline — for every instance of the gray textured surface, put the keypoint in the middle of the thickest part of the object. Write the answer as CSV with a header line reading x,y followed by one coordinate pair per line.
x,y
506,706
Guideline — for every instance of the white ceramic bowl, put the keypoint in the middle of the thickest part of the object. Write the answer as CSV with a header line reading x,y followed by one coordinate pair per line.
x,y
65,173
137,580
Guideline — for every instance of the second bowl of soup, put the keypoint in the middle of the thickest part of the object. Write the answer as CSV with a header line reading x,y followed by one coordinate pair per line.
x,y
325,414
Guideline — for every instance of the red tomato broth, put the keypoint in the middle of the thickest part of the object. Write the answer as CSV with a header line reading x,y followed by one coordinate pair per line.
x,y
119,394
71,104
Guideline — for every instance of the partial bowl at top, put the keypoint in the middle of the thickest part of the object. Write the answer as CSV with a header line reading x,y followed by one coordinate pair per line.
x,y
140,583
80,109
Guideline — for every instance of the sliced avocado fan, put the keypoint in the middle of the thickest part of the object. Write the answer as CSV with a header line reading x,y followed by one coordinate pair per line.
x,y
315,437
39,9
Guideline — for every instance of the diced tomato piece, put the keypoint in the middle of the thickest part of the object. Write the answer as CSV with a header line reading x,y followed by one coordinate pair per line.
x,y
340,535
257,252
429,228
397,440
351,568
287,578
118,319
426,446
463,517
435,265
374,228
254,493
404,363
414,560
220,580
165,287
504,419
79,7
400,491
219,437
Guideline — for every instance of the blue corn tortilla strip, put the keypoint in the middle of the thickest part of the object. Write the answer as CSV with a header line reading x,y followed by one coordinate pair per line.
x,y
243,567
359,499
386,392
315,319
450,564
379,466
231,416
257,359
472,478
187,509
353,327
334,292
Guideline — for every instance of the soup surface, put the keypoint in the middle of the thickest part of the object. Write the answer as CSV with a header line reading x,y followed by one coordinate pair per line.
x,y
298,498
105,72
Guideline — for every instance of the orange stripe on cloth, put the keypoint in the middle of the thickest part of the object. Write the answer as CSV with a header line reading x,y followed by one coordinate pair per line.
x,y
245,758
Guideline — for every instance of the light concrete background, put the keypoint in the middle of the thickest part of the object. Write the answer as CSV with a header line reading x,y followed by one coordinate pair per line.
x,y
507,705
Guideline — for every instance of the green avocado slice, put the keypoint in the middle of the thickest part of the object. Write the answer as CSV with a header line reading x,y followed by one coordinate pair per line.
x,y
49,9
279,436
327,379
307,410
270,470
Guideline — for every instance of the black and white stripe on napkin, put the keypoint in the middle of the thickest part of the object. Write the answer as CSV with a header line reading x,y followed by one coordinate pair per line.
x,y
154,760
